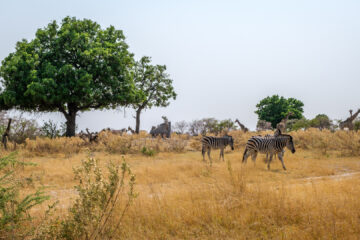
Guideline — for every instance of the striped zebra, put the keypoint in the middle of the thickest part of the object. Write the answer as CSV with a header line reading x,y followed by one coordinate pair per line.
x,y
269,145
267,154
209,143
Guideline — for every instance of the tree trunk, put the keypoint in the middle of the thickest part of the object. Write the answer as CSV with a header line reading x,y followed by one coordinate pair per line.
x,y
137,128
70,123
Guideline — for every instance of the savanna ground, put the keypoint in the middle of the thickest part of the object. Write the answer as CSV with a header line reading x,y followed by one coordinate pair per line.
x,y
180,197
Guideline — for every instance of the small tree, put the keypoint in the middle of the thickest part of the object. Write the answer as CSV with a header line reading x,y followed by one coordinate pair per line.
x,y
69,68
181,127
51,130
155,85
197,127
321,121
273,109
226,126
210,125
297,124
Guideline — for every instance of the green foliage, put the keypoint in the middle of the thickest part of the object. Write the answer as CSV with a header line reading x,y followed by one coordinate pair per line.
x,y
321,121
357,125
273,109
69,68
154,84
302,123
14,208
148,151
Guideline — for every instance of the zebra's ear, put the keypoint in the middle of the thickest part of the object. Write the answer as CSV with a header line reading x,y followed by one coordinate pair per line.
x,y
277,132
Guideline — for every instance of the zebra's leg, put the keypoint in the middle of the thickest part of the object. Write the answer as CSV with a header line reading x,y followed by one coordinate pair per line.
x,y
222,154
203,152
281,158
271,156
253,157
267,158
208,152
245,156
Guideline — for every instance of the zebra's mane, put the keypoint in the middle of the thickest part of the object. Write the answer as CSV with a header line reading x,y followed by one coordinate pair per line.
x,y
286,135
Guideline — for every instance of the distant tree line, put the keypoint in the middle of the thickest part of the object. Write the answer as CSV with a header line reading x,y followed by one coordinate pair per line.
x,y
205,126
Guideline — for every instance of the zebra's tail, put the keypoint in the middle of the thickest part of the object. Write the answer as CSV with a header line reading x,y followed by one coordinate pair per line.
x,y
243,160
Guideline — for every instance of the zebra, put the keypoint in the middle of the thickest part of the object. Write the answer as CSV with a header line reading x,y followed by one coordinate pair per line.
x,y
267,154
271,145
216,142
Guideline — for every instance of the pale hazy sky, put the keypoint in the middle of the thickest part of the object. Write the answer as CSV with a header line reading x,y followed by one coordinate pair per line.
x,y
224,56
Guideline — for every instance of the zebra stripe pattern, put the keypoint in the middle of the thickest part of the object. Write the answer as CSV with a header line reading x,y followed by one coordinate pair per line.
x,y
209,143
268,145
267,155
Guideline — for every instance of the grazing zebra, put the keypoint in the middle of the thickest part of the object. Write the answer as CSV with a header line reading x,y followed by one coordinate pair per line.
x,y
216,142
269,145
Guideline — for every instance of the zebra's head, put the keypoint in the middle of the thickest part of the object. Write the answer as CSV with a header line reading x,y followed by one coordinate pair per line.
x,y
231,141
290,144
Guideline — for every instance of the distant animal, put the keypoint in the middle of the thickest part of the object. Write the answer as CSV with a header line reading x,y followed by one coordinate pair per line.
x,y
348,123
209,143
242,126
163,130
282,125
269,145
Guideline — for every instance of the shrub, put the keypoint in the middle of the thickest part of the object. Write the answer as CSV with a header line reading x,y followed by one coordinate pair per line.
x,y
148,151
14,208
98,211
62,145
51,130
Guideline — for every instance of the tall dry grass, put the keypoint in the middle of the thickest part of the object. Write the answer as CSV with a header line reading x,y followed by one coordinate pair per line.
x,y
180,197
325,142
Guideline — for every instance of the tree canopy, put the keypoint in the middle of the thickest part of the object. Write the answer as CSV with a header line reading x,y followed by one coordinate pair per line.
x,y
155,86
69,68
273,109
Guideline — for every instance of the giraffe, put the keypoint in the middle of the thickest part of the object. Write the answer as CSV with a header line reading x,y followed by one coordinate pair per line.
x,y
282,124
348,123
243,128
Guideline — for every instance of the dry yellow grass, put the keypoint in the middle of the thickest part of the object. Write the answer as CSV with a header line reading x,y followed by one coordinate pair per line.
x,y
180,197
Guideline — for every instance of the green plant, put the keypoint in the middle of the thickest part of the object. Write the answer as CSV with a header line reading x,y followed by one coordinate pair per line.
x,y
14,208
148,151
357,125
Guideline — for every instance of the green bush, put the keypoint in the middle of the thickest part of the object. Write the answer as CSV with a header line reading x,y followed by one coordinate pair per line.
x,y
148,151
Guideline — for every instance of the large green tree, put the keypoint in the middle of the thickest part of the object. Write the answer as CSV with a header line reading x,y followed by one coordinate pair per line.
x,y
70,68
273,109
154,84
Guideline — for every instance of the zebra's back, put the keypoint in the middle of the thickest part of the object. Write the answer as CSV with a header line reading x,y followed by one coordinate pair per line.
x,y
214,142
268,144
